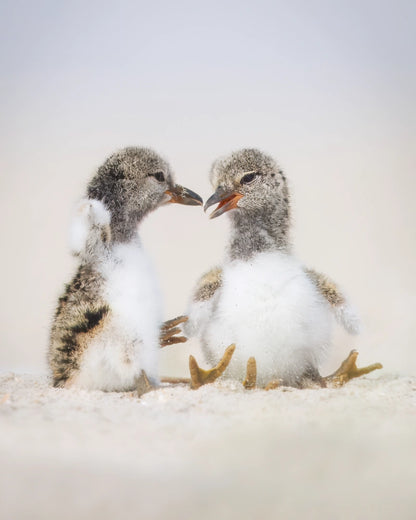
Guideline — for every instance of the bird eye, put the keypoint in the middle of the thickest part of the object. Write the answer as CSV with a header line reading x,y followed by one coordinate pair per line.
x,y
247,179
159,176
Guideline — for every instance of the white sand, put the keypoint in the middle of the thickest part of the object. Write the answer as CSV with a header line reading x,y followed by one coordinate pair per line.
x,y
218,452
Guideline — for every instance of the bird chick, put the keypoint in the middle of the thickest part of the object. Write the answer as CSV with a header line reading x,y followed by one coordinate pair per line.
x,y
105,333
275,313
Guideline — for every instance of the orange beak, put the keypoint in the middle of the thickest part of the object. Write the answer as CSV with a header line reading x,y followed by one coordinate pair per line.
x,y
227,200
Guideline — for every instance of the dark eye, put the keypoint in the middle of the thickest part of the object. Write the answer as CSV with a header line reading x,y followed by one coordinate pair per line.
x,y
248,178
159,176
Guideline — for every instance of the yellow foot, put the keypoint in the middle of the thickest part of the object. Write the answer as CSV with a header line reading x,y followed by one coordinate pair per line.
x,y
349,370
143,385
169,331
272,385
250,381
201,377
251,374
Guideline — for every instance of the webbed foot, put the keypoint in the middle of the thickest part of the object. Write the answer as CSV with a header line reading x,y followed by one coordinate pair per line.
x,y
349,370
200,377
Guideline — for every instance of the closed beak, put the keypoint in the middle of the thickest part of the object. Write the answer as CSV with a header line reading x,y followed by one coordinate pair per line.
x,y
181,195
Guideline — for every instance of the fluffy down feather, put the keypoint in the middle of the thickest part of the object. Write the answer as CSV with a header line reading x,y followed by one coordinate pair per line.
x,y
128,341
271,310
90,215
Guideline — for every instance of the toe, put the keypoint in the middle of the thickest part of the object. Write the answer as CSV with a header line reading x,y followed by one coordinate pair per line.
x,y
251,374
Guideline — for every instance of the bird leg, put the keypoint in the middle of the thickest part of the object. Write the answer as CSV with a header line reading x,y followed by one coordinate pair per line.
x,y
143,385
168,336
176,380
200,377
169,331
251,374
349,370
311,378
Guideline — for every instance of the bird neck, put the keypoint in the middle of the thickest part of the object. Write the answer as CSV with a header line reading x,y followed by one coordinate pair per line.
x,y
257,233
124,226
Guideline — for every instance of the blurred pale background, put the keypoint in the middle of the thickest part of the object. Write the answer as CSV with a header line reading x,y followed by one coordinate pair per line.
x,y
328,88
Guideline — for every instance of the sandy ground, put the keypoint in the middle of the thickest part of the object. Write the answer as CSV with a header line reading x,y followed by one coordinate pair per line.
x,y
218,452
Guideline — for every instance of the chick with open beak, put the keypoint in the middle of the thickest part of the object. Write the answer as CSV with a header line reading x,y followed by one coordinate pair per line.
x,y
262,317
250,185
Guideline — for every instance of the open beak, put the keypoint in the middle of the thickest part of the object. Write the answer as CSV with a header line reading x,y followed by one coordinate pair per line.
x,y
227,200
181,195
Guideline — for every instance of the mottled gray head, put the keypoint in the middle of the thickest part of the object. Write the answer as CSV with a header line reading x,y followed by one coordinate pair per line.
x,y
133,182
253,189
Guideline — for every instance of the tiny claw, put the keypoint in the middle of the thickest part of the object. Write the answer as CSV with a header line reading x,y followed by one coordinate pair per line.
x,y
349,370
200,377
251,374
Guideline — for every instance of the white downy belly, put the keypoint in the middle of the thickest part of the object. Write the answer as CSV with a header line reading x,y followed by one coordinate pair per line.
x,y
129,341
270,309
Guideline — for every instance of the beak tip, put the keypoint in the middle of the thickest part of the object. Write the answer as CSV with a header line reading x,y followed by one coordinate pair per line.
x,y
195,201
185,196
